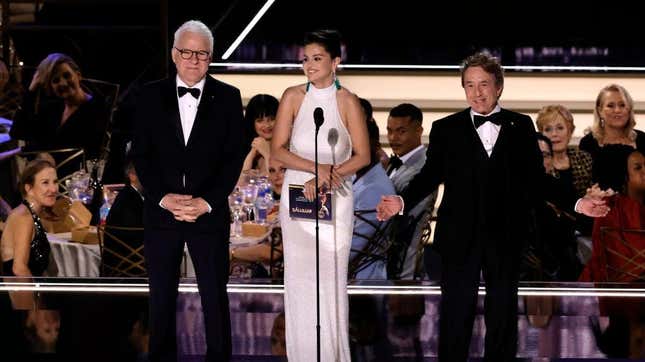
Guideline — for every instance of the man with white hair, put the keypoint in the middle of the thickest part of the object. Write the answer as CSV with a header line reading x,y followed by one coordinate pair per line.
x,y
188,150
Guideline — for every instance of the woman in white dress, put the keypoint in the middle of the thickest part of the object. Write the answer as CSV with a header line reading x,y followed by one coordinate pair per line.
x,y
293,145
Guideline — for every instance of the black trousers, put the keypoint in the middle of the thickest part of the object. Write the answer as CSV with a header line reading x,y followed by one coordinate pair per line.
x,y
209,252
460,280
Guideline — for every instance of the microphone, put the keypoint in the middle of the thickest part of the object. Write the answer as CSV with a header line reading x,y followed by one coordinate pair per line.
x,y
332,139
319,119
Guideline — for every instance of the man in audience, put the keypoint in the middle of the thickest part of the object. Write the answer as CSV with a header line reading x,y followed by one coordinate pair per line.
x,y
189,146
371,183
120,244
404,130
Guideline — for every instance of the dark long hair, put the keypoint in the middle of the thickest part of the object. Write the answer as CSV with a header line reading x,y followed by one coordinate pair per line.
x,y
260,105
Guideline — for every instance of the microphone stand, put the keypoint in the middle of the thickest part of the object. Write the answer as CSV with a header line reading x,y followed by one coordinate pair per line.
x,y
317,247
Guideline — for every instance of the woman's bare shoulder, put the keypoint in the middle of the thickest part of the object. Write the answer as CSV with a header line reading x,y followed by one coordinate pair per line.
x,y
294,92
19,216
346,96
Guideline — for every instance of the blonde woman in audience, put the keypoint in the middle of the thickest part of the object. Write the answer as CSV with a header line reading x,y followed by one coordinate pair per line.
x,y
612,131
569,162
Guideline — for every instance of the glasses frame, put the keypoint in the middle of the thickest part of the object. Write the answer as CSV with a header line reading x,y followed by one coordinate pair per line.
x,y
199,54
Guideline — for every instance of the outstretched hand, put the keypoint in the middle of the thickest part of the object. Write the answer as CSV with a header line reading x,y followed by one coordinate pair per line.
x,y
594,203
389,206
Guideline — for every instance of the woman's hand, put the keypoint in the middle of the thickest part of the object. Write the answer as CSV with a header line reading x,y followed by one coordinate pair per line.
x,y
35,82
262,146
329,177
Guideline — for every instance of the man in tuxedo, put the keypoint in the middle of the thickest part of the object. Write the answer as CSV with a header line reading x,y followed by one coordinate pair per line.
x,y
189,146
404,131
126,211
489,162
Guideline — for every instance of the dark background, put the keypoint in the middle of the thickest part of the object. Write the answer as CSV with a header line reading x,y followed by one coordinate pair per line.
x,y
125,41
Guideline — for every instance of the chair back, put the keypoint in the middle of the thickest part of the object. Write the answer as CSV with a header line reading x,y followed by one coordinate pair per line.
x,y
121,251
376,248
110,93
622,254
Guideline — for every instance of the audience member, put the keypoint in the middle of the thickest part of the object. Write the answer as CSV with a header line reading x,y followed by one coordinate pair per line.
x,y
367,259
58,113
611,133
369,117
569,163
118,257
276,177
260,117
611,232
554,244
618,242
404,130
264,259
11,90
25,248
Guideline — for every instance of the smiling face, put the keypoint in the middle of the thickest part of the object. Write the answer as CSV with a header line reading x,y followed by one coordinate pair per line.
x,y
482,92
191,70
264,127
318,65
44,189
65,82
614,110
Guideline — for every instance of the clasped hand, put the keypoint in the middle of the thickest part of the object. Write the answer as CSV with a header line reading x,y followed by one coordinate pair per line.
x,y
328,178
184,207
594,202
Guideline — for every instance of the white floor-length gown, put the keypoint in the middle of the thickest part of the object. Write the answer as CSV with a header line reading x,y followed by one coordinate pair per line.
x,y
300,245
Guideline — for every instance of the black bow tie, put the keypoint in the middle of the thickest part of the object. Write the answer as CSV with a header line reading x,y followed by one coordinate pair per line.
x,y
395,163
493,118
193,91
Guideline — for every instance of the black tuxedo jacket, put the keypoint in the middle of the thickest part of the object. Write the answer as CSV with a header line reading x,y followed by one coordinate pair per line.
x,y
486,199
208,166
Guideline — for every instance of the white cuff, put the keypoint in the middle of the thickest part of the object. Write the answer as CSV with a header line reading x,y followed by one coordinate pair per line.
x,y
575,208
402,204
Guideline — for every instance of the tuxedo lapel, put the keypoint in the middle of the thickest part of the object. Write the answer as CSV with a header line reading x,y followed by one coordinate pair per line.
x,y
172,109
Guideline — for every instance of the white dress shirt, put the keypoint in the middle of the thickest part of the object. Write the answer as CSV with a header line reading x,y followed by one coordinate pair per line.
x,y
187,113
488,132
188,107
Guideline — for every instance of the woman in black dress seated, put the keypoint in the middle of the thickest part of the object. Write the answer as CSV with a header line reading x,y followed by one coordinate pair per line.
x,y
612,135
24,246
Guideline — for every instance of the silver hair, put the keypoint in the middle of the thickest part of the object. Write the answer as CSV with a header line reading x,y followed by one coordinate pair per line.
x,y
195,26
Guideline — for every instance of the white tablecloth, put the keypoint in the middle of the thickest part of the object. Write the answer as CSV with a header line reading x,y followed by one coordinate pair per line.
x,y
74,259
84,260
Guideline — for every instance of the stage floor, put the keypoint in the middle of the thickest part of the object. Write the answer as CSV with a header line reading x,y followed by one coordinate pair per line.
x,y
105,319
